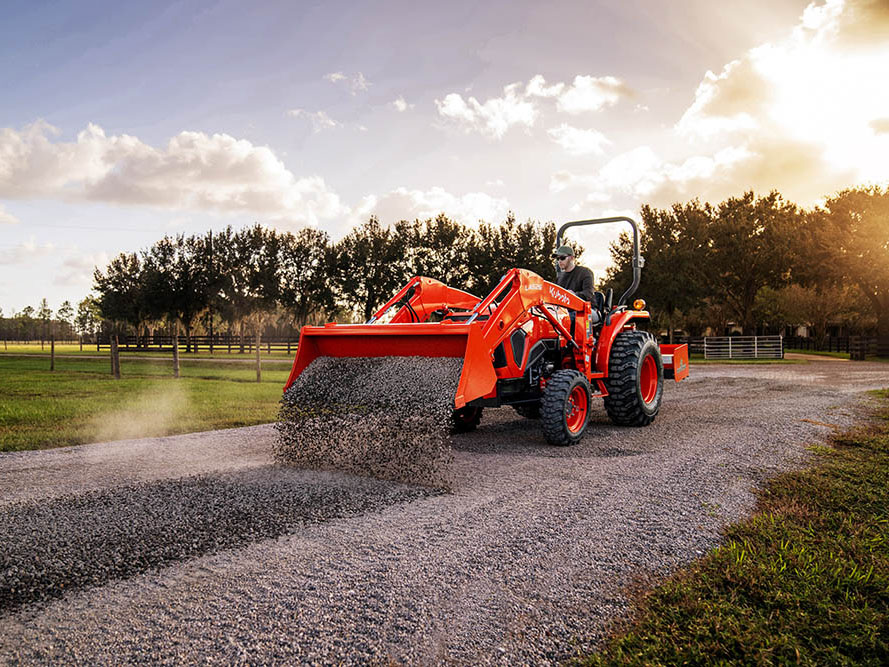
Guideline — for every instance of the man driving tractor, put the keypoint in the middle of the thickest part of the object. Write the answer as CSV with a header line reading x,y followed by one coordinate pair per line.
x,y
572,276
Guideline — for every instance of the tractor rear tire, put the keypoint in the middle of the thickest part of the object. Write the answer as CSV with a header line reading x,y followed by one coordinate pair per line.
x,y
528,410
466,419
565,408
635,381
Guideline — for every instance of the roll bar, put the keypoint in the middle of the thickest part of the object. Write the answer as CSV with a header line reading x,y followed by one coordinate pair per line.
x,y
638,260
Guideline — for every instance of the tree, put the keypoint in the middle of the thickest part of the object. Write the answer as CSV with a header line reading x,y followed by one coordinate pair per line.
x,y
440,249
121,293
305,265
175,280
674,243
249,285
65,315
498,248
44,314
371,266
849,242
87,319
750,248
121,298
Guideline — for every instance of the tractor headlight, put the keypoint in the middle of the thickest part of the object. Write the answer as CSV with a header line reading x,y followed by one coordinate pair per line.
x,y
639,304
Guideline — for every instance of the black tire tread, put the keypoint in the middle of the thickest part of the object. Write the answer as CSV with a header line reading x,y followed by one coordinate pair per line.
x,y
623,403
552,408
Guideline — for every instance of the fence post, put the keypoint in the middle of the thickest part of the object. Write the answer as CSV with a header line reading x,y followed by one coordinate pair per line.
x,y
52,353
729,347
756,347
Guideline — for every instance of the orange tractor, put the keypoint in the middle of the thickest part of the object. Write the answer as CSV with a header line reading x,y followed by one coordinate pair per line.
x,y
529,344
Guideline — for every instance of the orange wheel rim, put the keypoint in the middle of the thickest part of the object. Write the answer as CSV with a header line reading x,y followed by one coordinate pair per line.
x,y
578,404
648,379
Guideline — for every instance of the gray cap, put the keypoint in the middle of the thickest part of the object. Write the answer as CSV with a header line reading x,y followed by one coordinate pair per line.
x,y
564,250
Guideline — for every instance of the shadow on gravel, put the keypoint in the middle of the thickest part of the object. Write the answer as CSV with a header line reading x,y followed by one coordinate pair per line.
x,y
52,546
504,432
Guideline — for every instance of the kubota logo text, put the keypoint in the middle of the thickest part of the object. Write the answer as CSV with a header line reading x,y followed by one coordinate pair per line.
x,y
559,296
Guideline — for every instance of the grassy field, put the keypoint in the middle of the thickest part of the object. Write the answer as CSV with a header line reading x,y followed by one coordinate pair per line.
x,y
804,581
819,353
80,402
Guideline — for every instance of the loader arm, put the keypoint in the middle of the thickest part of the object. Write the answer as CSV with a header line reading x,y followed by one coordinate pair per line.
x,y
421,297
523,294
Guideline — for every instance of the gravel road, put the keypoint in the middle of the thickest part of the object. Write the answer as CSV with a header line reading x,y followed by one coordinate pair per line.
x,y
198,548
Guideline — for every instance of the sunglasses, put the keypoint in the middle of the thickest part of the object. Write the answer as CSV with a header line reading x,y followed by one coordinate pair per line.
x,y
562,258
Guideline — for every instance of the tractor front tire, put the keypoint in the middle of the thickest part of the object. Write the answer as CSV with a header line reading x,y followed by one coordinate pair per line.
x,y
465,419
565,408
528,410
635,381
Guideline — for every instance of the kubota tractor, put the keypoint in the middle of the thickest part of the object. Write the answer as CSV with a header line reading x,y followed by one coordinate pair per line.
x,y
529,344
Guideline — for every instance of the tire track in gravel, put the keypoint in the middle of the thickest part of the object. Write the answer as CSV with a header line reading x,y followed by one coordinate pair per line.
x,y
53,546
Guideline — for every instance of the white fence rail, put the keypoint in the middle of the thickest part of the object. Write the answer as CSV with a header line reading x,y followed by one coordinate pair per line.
x,y
744,347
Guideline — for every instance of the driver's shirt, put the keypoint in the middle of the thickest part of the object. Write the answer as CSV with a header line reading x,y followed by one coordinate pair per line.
x,y
579,280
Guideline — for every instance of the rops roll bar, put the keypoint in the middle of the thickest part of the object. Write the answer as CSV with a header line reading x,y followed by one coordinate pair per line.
x,y
638,261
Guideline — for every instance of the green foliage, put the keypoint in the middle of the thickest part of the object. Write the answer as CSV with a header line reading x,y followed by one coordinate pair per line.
x,y
121,291
849,244
371,264
804,581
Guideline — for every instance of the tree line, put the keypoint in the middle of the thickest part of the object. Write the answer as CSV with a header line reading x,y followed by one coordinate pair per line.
x,y
255,278
758,262
41,323
764,263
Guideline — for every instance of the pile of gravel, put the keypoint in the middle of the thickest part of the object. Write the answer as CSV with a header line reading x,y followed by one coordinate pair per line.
x,y
384,417
55,545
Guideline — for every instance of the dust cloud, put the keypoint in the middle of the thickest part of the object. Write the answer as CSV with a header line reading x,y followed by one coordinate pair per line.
x,y
150,413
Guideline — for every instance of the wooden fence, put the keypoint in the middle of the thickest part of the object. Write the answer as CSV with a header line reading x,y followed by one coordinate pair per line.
x,y
218,343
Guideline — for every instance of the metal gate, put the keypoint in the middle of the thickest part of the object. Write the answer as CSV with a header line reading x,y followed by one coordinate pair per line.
x,y
744,347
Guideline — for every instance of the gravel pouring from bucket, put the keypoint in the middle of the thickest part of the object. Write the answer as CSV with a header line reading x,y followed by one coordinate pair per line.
x,y
384,417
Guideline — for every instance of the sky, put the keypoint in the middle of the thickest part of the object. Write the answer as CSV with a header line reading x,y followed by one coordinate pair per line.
x,y
124,122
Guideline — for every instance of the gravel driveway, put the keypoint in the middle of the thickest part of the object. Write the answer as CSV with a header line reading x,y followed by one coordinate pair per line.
x,y
197,548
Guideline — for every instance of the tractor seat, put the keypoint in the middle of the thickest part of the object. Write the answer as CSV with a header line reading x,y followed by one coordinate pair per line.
x,y
598,312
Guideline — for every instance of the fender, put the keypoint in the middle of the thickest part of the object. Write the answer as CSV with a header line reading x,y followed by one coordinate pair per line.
x,y
619,321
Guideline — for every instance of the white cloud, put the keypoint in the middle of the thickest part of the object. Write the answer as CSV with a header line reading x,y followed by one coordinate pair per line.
x,y
802,115
356,83
495,183
7,218
519,106
579,142
644,176
401,105
193,171
493,118
78,268
319,119
808,102
880,125
404,204
537,88
25,253
589,93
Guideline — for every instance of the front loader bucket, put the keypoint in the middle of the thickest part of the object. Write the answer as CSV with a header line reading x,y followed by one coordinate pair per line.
x,y
477,378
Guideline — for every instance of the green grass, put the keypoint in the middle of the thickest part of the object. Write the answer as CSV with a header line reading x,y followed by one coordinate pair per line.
x,y
80,402
804,581
699,359
819,353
